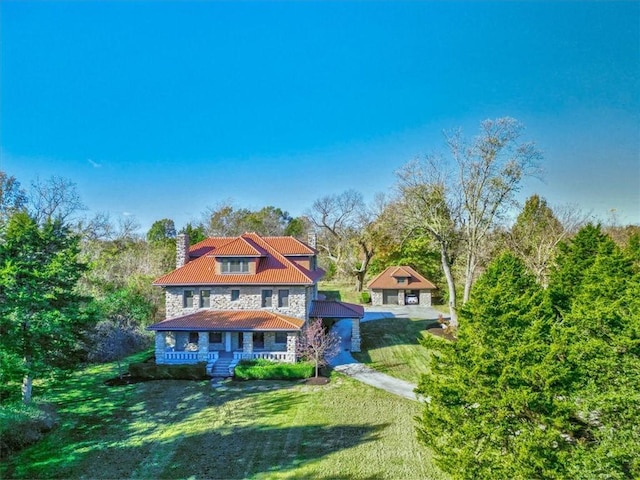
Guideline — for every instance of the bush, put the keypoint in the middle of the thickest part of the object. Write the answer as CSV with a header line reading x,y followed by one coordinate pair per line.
x,y
365,297
151,371
267,370
22,425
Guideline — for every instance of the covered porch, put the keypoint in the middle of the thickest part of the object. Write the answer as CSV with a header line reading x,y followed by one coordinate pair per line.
x,y
207,335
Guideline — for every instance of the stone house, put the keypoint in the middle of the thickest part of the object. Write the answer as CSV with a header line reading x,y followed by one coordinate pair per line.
x,y
401,285
232,298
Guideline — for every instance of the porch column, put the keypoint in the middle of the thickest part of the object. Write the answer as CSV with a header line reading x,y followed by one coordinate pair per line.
x,y
247,344
227,341
203,346
355,334
292,339
160,347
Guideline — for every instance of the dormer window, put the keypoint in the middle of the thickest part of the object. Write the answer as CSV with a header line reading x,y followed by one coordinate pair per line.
x,y
402,280
235,265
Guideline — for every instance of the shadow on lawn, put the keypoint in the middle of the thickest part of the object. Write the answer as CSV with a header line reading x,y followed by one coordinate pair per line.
x,y
181,429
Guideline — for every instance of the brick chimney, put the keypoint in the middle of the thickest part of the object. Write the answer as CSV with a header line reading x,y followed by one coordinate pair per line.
x,y
182,249
312,239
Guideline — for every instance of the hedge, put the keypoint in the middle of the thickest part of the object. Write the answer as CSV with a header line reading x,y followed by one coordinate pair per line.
x,y
267,370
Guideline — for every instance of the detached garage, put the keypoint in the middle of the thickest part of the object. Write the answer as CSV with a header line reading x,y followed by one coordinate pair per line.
x,y
401,285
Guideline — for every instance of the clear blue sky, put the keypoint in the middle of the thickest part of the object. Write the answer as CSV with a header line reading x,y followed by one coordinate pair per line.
x,y
160,109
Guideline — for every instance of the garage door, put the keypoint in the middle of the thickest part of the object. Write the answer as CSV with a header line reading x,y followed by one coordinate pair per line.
x,y
390,297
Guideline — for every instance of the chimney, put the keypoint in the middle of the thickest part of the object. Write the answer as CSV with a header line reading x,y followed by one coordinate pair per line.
x,y
312,240
182,249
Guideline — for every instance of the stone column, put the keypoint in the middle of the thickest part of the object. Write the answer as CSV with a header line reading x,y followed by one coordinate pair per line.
x,y
247,343
160,347
355,335
203,346
292,339
400,297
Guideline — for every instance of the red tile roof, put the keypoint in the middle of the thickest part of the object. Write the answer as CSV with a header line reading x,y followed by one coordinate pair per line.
x,y
335,309
388,279
273,268
231,320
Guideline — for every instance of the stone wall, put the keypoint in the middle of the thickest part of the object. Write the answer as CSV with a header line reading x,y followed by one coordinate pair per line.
x,y
376,297
250,299
425,298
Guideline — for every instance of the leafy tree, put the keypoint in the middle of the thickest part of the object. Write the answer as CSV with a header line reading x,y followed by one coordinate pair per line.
x,y
316,344
162,231
12,197
195,232
40,311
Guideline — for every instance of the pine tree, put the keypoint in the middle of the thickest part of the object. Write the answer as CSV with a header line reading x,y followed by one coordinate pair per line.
x,y
39,307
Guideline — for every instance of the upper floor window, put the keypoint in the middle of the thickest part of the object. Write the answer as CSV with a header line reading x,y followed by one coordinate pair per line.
x,y
187,299
266,298
283,298
205,298
235,295
402,280
235,265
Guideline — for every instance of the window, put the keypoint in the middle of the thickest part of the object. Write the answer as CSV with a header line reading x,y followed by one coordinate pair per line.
x,y
235,295
266,298
402,280
235,265
205,298
193,337
283,298
281,337
187,299
215,337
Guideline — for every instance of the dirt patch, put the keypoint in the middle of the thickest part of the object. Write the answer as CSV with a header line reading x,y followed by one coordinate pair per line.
x,y
316,381
441,332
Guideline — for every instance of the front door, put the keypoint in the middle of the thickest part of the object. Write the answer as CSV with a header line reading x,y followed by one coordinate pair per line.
x,y
258,340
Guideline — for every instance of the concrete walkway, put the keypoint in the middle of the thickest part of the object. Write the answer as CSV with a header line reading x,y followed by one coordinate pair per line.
x,y
346,364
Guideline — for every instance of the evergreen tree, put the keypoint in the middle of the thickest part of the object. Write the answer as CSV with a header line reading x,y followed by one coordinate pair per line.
x,y
39,307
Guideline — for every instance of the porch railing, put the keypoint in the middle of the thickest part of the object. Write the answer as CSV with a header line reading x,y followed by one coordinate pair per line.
x,y
276,356
181,356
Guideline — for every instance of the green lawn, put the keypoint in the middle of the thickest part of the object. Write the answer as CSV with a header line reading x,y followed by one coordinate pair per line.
x,y
392,346
339,290
257,429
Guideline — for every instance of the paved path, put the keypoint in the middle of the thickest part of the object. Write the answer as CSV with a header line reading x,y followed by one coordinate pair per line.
x,y
345,363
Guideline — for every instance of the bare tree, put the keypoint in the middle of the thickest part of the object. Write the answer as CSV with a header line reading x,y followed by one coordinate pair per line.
x,y
12,196
466,198
317,345
54,199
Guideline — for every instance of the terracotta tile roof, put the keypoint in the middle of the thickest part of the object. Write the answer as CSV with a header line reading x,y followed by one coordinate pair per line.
x,y
239,247
231,320
388,279
289,246
208,244
272,269
335,309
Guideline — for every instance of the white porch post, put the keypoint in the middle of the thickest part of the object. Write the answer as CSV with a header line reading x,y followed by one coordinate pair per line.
x,y
203,346
160,347
227,341
355,334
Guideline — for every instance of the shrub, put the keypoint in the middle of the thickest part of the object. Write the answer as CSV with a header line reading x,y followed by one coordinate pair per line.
x,y
365,297
267,370
21,425
151,371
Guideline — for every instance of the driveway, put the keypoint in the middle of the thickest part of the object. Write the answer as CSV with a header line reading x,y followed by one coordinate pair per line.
x,y
346,364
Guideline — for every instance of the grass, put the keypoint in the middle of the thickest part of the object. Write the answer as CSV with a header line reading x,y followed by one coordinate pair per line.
x,y
255,429
339,290
393,346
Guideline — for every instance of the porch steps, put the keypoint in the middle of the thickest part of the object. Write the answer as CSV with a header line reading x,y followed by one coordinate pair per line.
x,y
221,367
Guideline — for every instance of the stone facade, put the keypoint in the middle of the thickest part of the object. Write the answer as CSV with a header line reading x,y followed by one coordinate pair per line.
x,y
355,334
182,249
250,298
425,297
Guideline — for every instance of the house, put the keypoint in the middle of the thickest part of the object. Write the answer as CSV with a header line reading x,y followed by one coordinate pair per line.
x,y
401,285
244,297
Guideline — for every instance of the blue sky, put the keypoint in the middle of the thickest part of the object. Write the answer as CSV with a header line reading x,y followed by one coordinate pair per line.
x,y
160,109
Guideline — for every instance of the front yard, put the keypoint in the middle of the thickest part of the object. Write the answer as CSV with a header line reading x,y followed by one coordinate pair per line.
x,y
257,429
